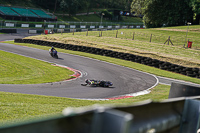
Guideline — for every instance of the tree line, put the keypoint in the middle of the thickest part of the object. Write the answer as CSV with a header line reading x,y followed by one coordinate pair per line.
x,y
157,13
73,6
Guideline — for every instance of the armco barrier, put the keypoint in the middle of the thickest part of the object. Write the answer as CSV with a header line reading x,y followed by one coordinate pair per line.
x,y
9,30
183,90
170,116
192,72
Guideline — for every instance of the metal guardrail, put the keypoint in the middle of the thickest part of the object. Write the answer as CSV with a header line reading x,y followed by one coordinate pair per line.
x,y
68,25
170,116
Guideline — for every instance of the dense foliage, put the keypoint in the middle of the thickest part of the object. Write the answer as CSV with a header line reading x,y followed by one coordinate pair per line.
x,y
170,12
156,12
72,6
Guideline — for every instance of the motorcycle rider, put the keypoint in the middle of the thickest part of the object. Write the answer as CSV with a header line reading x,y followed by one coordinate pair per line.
x,y
53,50
101,83
89,82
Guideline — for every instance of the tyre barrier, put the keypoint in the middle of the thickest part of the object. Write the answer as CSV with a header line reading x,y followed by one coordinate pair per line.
x,y
187,71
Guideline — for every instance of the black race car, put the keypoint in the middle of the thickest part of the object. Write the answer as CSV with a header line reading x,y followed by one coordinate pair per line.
x,y
101,83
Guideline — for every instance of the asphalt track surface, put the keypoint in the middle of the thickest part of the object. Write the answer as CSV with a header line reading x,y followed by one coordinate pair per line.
x,y
125,80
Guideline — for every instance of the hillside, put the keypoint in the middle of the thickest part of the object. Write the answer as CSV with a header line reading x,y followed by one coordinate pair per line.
x,y
79,17
175,53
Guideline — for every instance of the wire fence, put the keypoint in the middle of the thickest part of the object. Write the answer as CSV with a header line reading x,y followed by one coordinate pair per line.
x,y
109,29
177,40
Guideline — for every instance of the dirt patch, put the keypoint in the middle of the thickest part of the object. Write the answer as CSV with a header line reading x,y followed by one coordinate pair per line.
x,y
182,30
170,29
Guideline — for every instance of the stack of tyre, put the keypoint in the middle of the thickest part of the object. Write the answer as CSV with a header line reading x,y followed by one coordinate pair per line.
x,y
192,72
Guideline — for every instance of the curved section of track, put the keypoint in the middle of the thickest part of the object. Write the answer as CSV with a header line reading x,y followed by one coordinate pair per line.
x,y
125,80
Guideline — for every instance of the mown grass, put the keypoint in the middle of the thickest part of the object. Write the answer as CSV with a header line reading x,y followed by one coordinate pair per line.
x,y
16,107
16,69
158,50
157,35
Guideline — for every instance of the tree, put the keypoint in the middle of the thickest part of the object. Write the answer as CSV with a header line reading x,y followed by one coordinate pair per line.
x,y
87,5
47,4
63,6
196,10
71,6
137,6
159,12
56,1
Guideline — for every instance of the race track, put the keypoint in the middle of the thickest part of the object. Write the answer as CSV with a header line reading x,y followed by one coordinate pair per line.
x,y
125,80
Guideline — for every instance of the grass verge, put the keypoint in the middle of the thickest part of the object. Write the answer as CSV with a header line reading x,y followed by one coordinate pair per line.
x,y
176,54
16,69
16,107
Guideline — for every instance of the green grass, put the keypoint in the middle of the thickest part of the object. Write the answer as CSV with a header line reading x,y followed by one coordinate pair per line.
x,y
96,18
16,107
16,69
140,45
159,35
81,18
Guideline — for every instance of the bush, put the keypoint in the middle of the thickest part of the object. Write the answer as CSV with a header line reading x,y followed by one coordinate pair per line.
x,y
107,14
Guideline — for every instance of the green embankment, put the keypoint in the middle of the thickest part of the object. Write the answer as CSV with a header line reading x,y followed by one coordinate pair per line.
x,y
16,69
16,107
141,44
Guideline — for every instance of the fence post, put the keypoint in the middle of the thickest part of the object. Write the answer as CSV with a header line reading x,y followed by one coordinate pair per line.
x,y
99,34
116,33
150,37
187,43
133,35
87,33
168,40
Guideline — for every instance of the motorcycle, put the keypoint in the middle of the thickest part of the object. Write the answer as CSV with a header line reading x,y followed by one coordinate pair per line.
x,y
53,53
100,83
